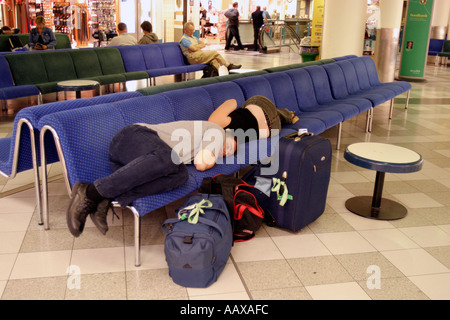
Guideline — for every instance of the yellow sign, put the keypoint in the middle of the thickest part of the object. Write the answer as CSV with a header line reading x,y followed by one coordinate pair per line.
x,y
317,23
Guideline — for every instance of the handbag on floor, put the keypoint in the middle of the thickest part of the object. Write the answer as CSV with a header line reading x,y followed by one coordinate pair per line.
x,y
198,242
242,202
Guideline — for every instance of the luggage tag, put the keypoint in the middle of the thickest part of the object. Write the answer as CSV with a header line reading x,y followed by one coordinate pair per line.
x,y
184,213
280,187
192,212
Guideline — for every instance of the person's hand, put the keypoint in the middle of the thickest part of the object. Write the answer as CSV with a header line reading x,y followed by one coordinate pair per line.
x,y
204,160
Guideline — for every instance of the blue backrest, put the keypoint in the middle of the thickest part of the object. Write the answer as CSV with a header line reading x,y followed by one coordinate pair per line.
x,y
190,103
371,70
109,98
133,59
153,56
351,78
282,89
6,79
349,56
146,109
321,84
171,51
80,147
337,80
256,85
435,46
304,89
223,91
361,72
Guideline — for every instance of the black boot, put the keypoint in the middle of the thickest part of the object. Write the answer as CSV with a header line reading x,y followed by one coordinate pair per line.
x,y
79,208
99,216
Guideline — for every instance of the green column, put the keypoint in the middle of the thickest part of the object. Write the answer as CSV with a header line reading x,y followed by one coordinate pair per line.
x,y
416,40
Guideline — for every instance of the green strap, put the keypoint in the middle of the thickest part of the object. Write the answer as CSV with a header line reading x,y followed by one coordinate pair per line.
x,y
197,210
277,186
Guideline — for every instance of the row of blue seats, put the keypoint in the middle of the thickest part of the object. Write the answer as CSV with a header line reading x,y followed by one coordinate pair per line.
x,y
321,96
139,61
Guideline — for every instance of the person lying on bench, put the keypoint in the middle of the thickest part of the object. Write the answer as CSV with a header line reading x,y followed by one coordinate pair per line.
x,y
150,159
146,159
257,113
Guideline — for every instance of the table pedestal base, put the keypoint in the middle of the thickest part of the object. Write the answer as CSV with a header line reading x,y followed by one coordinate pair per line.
x,y
388,210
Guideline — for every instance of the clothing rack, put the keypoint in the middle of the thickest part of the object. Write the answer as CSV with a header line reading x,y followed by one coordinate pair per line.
x,y
80,24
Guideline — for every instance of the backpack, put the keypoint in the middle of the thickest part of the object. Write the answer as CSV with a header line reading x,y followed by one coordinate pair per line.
x,y
15,43
198,243
210,71
242,201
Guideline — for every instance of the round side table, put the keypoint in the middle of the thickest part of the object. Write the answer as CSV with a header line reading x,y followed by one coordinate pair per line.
x,y
382,158
77,86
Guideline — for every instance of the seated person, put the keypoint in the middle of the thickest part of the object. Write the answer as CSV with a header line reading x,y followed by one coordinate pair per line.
x,y
123,38
192,49
149,36
41,37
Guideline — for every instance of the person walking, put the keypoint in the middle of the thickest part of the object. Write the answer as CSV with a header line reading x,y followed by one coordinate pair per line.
x,y
233,27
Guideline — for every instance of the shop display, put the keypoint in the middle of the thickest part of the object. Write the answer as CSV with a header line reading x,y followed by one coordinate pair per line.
x,y
103,15
61,13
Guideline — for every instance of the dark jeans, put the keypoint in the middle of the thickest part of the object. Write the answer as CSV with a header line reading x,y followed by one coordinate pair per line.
x,y
142,165
255,37
233,31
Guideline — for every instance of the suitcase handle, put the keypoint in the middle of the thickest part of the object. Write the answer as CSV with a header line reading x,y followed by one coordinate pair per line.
x,y
297,137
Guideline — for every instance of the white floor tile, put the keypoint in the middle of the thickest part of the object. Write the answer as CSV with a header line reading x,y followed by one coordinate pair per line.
x,y
361,223
345,242
417,200
101,260
152,257
338,291
435,286
10,242
6,264
301,246
22,205
256,249
429,236
229,282
41,264
414,262
388,239
15,222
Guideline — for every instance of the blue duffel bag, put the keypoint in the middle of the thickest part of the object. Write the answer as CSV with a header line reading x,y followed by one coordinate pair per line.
x,y
198,243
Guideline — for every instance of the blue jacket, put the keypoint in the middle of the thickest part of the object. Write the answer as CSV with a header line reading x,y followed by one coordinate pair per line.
x,y
47,36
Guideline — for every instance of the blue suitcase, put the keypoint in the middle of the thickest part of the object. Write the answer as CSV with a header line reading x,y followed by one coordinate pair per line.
x,y
304,169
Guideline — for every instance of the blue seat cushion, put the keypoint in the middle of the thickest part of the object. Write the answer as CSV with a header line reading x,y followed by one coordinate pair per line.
x,y
18,92
6,155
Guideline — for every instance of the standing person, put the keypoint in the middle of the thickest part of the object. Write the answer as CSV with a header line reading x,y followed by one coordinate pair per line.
x,y
149,36
192,49
258,21
123,38
266,15
233,27
41,37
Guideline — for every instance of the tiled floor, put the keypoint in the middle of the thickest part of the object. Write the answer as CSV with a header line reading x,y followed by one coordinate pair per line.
x,y
339,256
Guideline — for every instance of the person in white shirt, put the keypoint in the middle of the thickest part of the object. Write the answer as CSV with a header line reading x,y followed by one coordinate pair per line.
x,y
123,38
